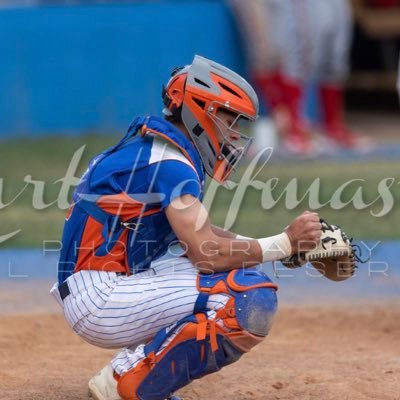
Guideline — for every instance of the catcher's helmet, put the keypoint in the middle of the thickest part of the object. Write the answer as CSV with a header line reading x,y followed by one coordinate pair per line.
x,y
194,94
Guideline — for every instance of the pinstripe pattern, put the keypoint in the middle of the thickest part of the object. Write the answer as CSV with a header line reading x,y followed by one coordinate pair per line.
x,y
113,311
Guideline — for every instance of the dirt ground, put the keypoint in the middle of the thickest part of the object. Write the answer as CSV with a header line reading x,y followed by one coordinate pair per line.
x,y
311,353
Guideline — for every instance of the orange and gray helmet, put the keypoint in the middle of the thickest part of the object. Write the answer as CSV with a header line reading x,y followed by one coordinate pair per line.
x,y
194,94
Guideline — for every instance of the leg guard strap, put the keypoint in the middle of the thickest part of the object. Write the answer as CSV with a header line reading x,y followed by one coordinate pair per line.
x,y
199,348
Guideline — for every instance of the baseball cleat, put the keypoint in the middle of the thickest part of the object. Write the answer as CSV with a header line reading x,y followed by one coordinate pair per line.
x,y
103,386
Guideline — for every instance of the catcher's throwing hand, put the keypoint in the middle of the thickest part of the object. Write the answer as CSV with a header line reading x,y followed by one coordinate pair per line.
x,y
304,232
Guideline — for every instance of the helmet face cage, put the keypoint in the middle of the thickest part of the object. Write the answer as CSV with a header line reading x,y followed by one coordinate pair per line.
x,y
233,144
210,87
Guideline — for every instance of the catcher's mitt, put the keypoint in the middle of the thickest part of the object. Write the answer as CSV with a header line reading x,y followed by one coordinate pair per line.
x,y
334,256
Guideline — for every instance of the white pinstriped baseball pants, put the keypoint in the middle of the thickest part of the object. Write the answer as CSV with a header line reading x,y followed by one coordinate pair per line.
x,y
113,311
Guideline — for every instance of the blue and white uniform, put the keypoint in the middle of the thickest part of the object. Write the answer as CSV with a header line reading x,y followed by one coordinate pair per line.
x,y
115,290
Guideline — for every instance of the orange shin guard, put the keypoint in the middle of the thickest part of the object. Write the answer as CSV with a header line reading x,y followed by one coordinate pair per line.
x,y
198,349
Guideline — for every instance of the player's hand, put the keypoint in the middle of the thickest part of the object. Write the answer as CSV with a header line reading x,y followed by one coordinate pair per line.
x,y
304,232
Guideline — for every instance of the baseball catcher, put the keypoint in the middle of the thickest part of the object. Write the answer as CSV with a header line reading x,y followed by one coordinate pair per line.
x,y
179,318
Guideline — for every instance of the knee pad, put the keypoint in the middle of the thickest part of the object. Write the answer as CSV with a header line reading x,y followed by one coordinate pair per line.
x,y
252,306
255,300
198,348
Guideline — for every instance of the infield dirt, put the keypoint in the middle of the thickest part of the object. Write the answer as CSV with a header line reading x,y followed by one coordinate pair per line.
x,y
312,353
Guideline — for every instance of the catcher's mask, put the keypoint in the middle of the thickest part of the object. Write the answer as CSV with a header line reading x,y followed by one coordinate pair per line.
x,y
201,95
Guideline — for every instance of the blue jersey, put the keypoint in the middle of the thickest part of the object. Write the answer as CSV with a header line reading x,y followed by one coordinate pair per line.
x,y
117,220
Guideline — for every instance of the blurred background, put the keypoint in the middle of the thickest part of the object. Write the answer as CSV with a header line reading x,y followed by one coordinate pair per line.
x,y
73,74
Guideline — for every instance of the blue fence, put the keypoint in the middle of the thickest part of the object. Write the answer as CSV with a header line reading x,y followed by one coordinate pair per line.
x,y
73,69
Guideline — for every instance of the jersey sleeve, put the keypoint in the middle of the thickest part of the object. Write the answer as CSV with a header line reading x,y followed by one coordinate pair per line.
x,y
172,179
